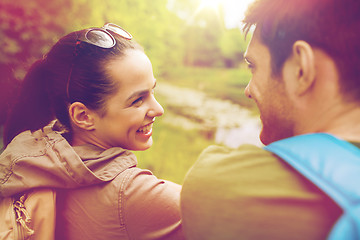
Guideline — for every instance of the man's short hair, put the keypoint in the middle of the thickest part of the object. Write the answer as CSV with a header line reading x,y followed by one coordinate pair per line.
x,y
330,25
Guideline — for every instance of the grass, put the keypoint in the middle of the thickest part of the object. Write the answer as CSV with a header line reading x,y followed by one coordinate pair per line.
x,y
173,152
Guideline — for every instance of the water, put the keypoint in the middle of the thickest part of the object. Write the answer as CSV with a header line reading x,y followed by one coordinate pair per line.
x,y
234,137
231,124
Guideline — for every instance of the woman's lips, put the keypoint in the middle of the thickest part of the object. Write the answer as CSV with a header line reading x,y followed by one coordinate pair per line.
x,y
146,129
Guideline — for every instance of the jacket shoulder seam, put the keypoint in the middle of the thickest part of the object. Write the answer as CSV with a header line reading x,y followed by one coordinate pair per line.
x,y
121,200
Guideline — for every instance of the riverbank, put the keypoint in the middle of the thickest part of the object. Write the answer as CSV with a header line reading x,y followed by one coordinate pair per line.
x,y
221,120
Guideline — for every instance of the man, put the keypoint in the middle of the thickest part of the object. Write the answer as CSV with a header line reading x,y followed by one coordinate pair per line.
x,y
304,56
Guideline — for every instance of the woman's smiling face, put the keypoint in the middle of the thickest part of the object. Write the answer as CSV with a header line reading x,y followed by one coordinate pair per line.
x,y
131,111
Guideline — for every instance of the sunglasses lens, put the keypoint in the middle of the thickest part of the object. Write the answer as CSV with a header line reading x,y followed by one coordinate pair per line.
x,y
118,30
100,38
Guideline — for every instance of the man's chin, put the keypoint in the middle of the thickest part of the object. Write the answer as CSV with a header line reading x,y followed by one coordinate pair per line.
x,y
266,138
269,137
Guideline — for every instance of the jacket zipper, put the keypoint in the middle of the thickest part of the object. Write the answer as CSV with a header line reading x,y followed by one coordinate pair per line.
x,y
23,218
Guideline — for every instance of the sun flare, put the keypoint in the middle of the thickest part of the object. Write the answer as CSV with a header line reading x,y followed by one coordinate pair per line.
x,y
210,4
234,10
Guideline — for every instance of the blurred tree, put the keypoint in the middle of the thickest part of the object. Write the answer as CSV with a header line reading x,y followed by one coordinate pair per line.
x,y
233,46
202,32
203,39
27,29
208,42
151,24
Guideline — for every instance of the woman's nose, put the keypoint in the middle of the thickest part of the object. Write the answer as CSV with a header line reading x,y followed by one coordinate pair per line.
x,y
156,109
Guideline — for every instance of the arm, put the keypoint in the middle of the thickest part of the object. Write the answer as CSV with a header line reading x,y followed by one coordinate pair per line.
x,y
150,207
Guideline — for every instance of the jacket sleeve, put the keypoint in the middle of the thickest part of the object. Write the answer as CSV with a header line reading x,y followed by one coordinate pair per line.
x,y
149,207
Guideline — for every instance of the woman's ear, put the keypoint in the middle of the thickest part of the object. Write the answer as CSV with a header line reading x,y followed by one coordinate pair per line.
x,y
81,116
304,57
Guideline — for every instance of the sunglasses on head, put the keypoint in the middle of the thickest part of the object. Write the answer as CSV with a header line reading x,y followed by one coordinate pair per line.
x,y
101,37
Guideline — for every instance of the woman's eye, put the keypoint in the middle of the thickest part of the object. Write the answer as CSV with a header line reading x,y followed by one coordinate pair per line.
x,y
138,101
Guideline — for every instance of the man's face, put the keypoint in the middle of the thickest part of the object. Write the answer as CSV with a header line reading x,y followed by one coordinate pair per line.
x,y
269,93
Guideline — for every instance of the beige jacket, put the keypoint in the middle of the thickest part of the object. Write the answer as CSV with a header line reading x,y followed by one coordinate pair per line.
x,y
101,194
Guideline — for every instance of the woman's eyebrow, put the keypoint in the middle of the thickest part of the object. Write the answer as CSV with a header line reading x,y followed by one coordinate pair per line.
x,y
140,93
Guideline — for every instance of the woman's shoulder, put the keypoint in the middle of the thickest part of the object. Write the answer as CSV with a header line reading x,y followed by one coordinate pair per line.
x,y
137,181
147,201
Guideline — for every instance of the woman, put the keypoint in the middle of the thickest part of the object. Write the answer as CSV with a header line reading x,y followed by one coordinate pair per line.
x,y
81,109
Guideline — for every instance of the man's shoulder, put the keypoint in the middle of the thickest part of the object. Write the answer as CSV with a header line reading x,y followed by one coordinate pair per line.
x,y
242,173
237,190
220,158
223,170
244,151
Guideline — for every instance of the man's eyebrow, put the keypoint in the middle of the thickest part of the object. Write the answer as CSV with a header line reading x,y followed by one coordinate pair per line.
x,y
140,93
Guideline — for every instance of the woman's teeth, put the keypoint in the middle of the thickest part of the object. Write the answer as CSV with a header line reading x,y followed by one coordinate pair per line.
x,y
145,129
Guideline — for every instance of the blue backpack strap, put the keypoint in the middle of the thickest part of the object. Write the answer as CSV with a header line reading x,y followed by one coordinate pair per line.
x,y
334,166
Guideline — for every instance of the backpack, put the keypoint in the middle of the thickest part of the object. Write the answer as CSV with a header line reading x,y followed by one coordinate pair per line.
x,y
28,216
333,165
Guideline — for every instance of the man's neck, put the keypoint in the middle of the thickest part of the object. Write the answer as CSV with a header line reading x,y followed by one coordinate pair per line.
x,y
340,120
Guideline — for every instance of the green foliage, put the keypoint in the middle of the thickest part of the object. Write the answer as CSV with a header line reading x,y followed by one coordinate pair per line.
x,y
208,42
233,45
203,38
27,30
152,25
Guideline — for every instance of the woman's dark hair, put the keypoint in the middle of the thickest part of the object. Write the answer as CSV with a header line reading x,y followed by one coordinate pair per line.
x,y
330,25
72,71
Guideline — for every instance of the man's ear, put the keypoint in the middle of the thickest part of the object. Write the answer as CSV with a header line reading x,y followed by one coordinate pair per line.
x,y
304,57
81,116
